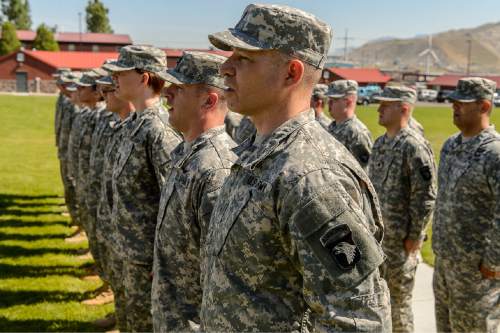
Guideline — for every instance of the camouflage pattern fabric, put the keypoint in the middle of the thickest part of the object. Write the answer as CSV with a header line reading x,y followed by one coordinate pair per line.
x,y
61,100
294,239
275,27
323,120
245,130
398,94
140,170
416,126
187,200
319,90
232,122
355,136
143,57
473,89
197,68
342,88
466,235
403,172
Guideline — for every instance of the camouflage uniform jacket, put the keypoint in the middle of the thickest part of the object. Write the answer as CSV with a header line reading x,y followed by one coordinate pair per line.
x,y
403,172
323,120
139,173
232,122
74,142
245,130
467,218
61,101
416,126
186,205
99,142
286,236
355,136
104,228
68,113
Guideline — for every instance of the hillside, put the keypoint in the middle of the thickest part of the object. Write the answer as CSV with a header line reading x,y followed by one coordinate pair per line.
x,y
451,48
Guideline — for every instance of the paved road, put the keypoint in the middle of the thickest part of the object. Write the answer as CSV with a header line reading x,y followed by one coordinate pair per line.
x,y
423,300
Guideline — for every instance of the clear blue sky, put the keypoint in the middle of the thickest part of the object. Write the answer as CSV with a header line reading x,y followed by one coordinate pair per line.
x,y
186,23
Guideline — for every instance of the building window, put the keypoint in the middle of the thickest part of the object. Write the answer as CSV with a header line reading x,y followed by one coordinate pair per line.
x,y
71,47
95,48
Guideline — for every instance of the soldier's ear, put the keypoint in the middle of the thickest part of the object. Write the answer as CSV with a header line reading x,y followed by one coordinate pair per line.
x,y
486,106
295,72
210,101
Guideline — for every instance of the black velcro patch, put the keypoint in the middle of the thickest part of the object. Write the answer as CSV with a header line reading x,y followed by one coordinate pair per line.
x,y
338,241
425,172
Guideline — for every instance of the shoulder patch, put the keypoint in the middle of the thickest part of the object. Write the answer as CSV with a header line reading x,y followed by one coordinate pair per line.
x,y
425,172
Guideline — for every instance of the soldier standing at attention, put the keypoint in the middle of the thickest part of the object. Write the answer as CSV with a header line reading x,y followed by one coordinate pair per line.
x,y
402,170
466,234
416,126
346,127
318,99
294,238
200,165
139,172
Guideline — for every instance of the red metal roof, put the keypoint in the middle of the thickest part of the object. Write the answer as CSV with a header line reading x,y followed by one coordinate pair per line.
x,y
177,53
72,59
361,75
451,80
74,37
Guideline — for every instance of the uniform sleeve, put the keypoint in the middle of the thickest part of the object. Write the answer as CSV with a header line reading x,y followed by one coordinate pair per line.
x,y
327,239
491,258
162,145
362,150
422,190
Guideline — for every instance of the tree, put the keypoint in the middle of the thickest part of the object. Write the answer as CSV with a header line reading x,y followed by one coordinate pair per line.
x,y
9,42
44,39
17,12
97,17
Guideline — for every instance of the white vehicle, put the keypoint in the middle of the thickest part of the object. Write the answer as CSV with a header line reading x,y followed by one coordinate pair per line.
x,y
496,99
427,95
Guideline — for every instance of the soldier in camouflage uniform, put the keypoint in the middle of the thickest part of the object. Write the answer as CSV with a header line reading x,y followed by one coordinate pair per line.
x,y
67,116
318,102
416,126
402,169
232,122
62,99
200,165
91,98
245,130
139,172
346,127
294,238
465,231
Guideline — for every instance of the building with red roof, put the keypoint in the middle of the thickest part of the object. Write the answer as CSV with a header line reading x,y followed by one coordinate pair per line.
x,y
364,76
450,81
74,41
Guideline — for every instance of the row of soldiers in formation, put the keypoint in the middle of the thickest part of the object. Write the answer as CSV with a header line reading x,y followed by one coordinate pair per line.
x,y
280,220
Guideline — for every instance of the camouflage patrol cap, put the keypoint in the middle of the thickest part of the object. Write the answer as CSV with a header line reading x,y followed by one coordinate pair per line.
x,y
146,58
100,71
196,67
72,87
60,71
398,94
342,88
69,77
105,81
319,90
88,79
275,27
472,89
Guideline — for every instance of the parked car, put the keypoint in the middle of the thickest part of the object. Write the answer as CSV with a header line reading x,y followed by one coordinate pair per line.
x,y
496,99
366,95
427,95
442,96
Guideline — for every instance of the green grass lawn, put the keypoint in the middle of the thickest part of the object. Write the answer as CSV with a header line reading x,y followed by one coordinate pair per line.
x,y
41,283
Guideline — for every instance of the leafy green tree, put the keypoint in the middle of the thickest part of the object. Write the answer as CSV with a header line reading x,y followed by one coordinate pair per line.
x,y
44,39
17,12
9,42
97,17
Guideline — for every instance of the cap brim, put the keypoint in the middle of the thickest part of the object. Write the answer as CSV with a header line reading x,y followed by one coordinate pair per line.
x,y
81,84
335,95
103,82
231,39
116,68
71,87
171,76
454,96
387,99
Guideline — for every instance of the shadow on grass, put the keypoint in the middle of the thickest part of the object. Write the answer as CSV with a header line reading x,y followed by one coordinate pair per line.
x,y
14,251
23,271
31,237
40,325
20,212
16,223
26,297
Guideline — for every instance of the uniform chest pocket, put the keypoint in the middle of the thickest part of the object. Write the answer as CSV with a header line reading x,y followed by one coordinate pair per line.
x,y
455,172
225,221
123,157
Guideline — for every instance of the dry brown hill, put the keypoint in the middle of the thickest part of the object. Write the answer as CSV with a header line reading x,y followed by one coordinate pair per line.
x,y
451,47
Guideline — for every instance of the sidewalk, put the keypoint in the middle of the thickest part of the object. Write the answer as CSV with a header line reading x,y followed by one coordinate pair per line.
x,y
423,300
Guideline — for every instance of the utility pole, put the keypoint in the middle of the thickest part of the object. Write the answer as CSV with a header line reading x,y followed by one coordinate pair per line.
x,y
469,53
346,41
80,26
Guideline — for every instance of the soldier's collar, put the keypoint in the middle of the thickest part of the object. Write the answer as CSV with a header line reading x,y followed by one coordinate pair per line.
x,y
180,156
277,137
